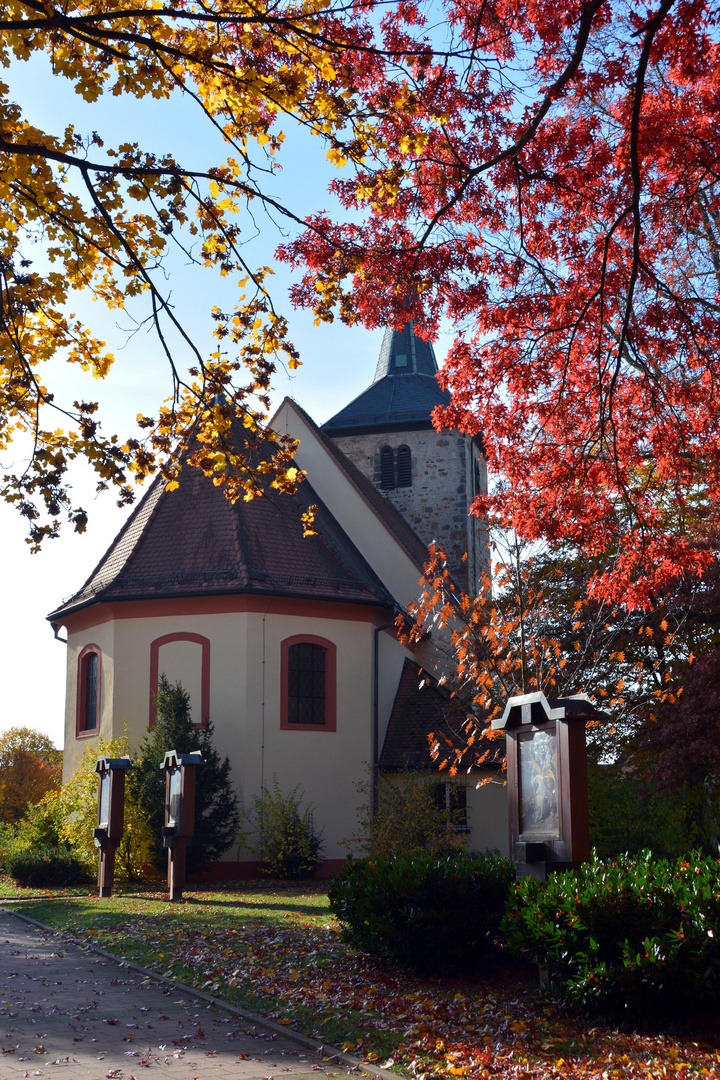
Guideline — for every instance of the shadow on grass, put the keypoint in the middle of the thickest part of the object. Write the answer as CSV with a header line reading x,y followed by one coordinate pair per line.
x,y
262,911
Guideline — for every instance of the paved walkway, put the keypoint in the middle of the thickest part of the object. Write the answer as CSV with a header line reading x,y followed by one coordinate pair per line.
x,y
67,1013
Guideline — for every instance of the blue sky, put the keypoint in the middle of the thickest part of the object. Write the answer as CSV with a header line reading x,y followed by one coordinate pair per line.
x,y
338,362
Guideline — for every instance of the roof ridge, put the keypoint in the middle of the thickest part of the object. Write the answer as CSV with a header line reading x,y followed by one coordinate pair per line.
x,y
368,492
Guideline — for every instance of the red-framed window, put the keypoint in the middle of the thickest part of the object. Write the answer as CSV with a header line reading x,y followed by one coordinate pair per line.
x,y
308,684
155,647
89,686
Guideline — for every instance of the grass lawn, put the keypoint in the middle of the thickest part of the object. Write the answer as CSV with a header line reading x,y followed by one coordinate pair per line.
x,y
276,950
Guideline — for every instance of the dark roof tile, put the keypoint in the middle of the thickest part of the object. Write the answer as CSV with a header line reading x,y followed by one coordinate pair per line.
x,y
419,711
193,541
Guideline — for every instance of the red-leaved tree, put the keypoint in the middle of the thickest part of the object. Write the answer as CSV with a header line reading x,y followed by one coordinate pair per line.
x,y
551,187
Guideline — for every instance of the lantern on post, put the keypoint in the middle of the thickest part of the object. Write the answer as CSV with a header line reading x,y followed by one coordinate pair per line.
x,y
547,780
110,816
179,814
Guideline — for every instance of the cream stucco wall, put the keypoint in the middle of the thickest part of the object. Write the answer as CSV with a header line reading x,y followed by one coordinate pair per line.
x,y
245,701
104,637
488,815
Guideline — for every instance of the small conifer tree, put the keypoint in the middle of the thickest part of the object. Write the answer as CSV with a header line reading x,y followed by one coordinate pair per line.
x,y
217,815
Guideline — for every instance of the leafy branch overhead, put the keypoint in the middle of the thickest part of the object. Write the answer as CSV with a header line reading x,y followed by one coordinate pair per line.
x,y
545,176
533,627
553,191
108,220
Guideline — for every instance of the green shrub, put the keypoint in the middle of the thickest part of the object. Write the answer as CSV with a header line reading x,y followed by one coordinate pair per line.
x,y
430,913
42,824
46,866
629,941
39,828
78,814
408,814
284,834
628,814
7,843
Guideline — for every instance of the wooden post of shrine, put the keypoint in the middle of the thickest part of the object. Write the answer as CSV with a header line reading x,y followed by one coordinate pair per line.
x,y
547,781
110,817
179,814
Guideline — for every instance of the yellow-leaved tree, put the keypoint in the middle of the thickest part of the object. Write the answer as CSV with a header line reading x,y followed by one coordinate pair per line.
x,y
79,213
78,804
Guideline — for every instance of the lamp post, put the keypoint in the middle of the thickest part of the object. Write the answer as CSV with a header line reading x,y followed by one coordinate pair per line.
x,y
179,814
110,817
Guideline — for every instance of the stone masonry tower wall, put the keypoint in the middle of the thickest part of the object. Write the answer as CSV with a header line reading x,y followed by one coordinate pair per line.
x,y
446,468
431,477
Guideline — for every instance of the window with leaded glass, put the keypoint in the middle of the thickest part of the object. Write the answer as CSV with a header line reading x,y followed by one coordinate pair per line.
x,y
91,692
452,800
306,684
89,675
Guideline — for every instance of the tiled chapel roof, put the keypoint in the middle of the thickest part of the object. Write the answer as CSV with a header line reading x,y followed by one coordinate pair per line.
x,y
418,711
192,541
403,393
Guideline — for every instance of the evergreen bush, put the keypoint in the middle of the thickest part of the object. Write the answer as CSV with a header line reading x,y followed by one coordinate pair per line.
x,y
217,815
629,940
429,913
46,866
285,839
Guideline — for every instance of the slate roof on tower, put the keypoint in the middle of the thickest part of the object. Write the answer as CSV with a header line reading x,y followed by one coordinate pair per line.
x,y
403,393
192,541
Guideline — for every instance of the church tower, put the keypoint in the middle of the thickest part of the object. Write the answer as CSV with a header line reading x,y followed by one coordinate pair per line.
x,y
431,477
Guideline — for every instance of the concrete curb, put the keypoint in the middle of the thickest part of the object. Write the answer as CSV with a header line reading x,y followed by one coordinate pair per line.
x,y
333,1055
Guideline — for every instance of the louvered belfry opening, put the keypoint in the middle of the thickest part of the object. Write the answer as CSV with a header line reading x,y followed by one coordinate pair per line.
x,y
404,467
387,468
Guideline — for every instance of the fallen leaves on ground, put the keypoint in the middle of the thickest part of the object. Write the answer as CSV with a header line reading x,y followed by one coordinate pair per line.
x,y
292,966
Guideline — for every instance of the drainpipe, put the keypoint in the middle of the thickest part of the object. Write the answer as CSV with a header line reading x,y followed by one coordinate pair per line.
x,y
376,706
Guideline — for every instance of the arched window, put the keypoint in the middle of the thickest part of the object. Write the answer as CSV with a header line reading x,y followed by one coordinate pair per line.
x,y
87,714
404,467
387,468
182,657
307,675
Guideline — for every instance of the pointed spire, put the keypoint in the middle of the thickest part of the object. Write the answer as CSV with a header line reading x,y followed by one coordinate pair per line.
x,y
404,353
403,392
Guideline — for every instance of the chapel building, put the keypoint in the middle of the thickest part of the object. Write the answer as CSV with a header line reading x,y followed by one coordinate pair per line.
x,y
288,643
